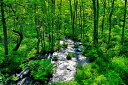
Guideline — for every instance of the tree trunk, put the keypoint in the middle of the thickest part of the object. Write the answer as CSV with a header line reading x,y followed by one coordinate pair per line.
x,y
72,19
81,22
53,12
104,6
19,41
38,31
110,22
125,12
96,15
4,28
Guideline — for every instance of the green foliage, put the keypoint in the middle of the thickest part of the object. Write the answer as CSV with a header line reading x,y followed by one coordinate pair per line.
x,y
70,56
12,63
66,83
113,78
124,50
85,73
14,78
5,78
2,56
58,46
92,75
64,45
92,54
105,70
41,69
76,46
120,65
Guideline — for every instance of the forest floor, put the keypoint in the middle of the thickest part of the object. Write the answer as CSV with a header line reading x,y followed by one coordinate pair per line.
x,y
65,69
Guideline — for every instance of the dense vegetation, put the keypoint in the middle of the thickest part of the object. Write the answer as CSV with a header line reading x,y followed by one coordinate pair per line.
x,y
30,28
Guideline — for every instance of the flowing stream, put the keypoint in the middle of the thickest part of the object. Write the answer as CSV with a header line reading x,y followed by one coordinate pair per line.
x,y
66,69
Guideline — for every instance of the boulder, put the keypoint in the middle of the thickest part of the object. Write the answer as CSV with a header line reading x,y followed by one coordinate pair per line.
x,y
26,81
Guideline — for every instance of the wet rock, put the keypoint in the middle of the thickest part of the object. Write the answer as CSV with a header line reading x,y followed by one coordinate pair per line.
x,y
55,54
62,58
54,59
23,73
81,57
26,81
61,42
79,43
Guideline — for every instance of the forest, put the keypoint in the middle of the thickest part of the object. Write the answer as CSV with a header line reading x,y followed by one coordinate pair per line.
x,y
63,42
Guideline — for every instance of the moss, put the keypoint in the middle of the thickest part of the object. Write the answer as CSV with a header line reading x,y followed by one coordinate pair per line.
x,y
54,58
70,55
64,45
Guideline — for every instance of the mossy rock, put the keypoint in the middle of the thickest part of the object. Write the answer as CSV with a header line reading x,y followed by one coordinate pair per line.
x,y
54,59
70,56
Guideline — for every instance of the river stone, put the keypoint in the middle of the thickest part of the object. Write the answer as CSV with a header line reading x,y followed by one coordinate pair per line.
x,y
61,42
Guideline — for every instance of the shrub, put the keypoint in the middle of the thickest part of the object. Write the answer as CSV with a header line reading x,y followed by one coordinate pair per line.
x,y
66,83
41,69
56,48
76,46
113,78
92,54
64,45
13,77
89,75
120,65
85,73
70,55
12,64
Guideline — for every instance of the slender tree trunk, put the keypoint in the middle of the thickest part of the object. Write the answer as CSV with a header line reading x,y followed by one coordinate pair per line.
x,y
96,15
103,23
75,15
53,11
49,24
110,22
19,41
72,18
20,33
4,28
104,6
42,36
125,12
37,30
59,18
81,22
97,18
